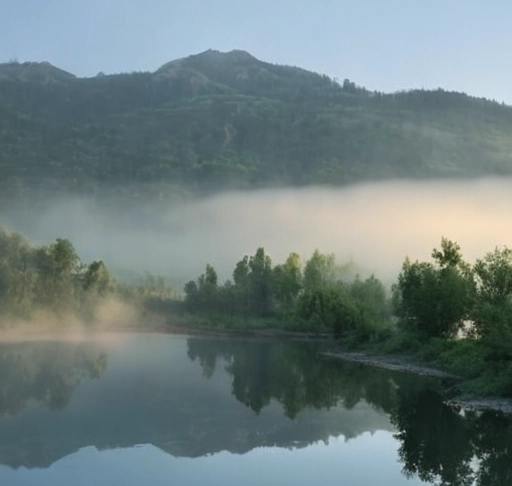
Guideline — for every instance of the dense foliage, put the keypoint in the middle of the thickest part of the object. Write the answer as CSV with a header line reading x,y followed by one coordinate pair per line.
x,y
438,298
49,278
433,305
215,121
435,297
318,295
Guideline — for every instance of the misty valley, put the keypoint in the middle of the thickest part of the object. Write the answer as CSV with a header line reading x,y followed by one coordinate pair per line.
x,y
121,408
230,271
107,371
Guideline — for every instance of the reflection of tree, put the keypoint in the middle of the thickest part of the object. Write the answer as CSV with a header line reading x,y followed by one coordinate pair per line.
x,y
205,353
293,374
493,446
439,444
45,374
435,442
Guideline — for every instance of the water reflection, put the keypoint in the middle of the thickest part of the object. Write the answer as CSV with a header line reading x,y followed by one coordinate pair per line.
x,y
297,376
438,443
435,441
193,397
45,373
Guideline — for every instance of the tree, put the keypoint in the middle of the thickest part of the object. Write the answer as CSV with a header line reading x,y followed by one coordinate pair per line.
x,y
433,297
371,295
449,255
493,309
320,271
97,280
241,272
494,275
58,267
331,309
191,295
203,294
260,281
17,274
288,280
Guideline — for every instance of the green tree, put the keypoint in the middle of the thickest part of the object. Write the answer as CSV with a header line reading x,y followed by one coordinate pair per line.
x,y
260,281
192,296
320,271
433,297
371,294
493,309
58,267
288,280
331,309
97,280
203,295
17,274
494,275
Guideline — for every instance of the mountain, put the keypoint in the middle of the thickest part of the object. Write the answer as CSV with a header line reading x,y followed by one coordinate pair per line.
x,y
33,72
216,121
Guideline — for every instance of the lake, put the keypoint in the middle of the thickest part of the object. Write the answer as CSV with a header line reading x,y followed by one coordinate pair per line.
x,y
153,409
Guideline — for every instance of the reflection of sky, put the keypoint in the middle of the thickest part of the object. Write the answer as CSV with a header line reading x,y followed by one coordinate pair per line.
x,y
367,460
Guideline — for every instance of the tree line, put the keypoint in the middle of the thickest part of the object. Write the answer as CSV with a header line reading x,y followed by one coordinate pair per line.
x,y
317,294
50,278
434,298
431,304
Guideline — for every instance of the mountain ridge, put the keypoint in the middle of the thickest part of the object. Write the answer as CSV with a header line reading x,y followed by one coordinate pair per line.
x,y
214,121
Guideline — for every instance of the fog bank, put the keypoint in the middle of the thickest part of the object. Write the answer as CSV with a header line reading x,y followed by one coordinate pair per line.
x,y
376,225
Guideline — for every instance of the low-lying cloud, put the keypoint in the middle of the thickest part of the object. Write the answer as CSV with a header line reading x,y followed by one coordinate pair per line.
x,y
375,225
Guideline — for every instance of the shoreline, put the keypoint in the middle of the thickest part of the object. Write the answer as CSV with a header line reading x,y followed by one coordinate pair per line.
x,y
390,362
402,365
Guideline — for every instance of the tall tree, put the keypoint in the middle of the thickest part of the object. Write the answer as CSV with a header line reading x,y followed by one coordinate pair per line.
x,y
288,280
493,309
433,297
260,278
320,271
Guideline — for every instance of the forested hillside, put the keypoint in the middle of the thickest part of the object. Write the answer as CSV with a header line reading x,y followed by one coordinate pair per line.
x,y
227,120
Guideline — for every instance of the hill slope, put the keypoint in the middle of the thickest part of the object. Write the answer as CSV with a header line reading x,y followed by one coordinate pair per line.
x,y
227,120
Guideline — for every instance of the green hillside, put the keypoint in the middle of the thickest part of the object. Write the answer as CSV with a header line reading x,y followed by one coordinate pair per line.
x,y
227,120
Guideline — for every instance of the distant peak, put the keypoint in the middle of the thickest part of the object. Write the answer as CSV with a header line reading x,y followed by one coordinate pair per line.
x,y
212,56
235,55
39,72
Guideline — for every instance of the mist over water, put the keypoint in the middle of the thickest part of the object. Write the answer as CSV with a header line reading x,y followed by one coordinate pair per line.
x,y
375,225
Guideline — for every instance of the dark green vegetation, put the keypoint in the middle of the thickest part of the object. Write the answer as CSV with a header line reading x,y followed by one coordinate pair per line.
x,y
227,120
50,279
433,305
319,296
435,301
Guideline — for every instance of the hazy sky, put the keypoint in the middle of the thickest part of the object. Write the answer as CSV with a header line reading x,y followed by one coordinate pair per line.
x,y
461,45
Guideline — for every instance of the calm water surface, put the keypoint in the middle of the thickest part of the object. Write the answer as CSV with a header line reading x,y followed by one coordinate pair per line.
x,y
160,409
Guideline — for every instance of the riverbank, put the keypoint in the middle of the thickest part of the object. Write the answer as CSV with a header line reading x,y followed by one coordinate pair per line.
x,y
404,365
392,363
